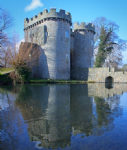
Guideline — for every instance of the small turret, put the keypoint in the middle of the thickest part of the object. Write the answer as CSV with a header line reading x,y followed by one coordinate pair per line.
x,y
83,26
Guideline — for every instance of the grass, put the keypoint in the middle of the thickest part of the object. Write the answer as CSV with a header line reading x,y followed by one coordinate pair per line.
x,y
35,80
5,70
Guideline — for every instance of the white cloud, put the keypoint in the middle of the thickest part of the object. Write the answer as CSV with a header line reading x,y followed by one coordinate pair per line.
x,y
18,44
33,5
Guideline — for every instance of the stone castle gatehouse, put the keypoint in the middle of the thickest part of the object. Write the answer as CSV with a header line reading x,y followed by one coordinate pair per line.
x,y
63,50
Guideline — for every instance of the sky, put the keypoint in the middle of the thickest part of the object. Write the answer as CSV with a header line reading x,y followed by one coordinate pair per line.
x,y
81,11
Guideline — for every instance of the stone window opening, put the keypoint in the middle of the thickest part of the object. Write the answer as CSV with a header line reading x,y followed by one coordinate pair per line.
x,y
67,34
46,33
92,42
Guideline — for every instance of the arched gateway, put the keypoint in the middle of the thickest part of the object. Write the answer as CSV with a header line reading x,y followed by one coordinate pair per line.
x,y
109,79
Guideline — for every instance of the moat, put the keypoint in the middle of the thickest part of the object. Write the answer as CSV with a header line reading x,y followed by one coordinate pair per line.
x,y
64,116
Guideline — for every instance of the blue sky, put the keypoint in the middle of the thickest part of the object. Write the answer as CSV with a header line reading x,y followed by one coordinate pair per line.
x,y
81,11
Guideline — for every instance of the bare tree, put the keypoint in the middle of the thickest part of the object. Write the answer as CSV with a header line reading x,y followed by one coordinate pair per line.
x,y
25,57
114,59
6,23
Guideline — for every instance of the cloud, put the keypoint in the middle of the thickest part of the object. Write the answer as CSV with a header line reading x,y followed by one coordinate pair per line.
x,y
18,44
33,5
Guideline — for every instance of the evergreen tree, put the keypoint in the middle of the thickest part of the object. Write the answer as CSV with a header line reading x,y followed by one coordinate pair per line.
x,y
113,44
105,47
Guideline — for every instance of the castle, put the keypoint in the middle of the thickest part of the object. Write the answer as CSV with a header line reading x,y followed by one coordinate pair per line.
x,y
65,53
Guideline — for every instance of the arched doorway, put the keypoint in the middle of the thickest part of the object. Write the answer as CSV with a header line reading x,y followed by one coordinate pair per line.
x,y
109,82
109,79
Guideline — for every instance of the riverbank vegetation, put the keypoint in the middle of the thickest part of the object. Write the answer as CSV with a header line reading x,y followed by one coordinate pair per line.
x,y
34,80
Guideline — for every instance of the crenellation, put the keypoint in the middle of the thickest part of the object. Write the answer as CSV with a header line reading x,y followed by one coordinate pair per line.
x,y
62,12
83,26
52,10
45,11
68,13
26,20
45,15
35,16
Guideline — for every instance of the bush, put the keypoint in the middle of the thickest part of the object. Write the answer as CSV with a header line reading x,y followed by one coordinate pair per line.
x,y
23,70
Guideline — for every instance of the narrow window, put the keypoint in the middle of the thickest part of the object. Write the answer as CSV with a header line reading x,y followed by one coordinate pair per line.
x,y
67,34
46,33
92,42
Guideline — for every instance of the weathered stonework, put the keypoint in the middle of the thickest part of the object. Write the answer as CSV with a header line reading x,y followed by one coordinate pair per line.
x,y
102,75
99,90
61,48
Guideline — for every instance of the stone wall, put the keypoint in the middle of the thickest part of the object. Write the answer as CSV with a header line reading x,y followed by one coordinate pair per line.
x,y
101,74
79,73
99,90
55,57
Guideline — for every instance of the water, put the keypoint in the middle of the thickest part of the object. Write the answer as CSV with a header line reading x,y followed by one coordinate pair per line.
x,y
68,117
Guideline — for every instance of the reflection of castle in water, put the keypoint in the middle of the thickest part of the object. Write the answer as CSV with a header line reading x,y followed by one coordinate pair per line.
x,y
81,109
53,112
52,127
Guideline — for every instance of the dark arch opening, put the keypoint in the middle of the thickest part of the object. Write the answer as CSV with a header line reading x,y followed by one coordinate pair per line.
x,y
109,79
109,82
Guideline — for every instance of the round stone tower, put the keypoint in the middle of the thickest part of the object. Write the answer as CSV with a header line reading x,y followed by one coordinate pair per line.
x,y
51,31
82,57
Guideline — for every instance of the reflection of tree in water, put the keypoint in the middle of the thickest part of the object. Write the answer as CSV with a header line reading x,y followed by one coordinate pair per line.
x,y
25,95
10,119
104,116
29,106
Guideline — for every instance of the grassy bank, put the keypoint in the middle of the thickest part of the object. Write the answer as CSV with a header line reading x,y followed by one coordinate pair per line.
x,y
5,70
33,80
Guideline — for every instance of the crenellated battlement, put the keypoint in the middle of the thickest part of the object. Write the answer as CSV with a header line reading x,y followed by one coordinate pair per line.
x,y
83,26
45,15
